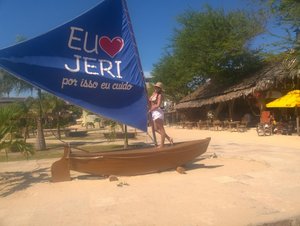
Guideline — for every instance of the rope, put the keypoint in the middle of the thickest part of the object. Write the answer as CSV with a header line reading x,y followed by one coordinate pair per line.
x,y
153,141
60,139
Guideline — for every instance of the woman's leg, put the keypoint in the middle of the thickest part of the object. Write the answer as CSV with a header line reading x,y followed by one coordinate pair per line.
x,y
160,130
159,124
170,139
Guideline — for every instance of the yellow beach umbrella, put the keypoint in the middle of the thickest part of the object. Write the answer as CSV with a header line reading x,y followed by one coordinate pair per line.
x,y
290,100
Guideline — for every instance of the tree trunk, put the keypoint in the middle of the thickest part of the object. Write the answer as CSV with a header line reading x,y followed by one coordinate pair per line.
x,y
58,128
40,143
26,133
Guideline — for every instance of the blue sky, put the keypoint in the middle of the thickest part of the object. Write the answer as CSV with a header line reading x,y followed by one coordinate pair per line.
x,y
153,20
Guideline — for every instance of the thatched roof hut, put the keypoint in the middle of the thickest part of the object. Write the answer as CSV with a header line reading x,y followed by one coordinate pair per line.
x,y
270,76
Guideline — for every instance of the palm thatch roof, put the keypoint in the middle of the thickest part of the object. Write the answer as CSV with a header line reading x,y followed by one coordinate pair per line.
x,y
268,77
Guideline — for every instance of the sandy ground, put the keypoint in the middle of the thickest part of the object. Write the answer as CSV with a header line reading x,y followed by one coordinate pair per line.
x,y
252,180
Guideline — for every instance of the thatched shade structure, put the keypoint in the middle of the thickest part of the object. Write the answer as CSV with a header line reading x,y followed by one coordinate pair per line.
x,y
267,78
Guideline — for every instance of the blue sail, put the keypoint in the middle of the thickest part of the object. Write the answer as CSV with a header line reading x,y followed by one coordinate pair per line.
x,y
91,61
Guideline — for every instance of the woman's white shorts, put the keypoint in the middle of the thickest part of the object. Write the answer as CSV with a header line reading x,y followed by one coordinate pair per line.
x,y
158,113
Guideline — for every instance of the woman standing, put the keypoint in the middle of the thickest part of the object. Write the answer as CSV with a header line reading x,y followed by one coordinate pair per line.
x,y
155,101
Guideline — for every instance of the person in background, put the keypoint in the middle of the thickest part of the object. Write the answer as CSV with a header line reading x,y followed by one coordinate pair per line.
x,y
210,116
155,102
273,123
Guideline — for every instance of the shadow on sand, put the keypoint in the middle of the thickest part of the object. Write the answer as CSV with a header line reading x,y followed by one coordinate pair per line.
x,y
89,177
194,166
11,182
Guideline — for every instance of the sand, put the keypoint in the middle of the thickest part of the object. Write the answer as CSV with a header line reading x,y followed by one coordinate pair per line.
x,y
243,179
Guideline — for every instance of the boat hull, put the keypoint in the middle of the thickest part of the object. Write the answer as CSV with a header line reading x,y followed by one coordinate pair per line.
x,y
129,162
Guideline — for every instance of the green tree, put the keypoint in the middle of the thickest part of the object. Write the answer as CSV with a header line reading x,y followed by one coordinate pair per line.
x,y
26,120
287,15
167,71
287,12
56,111
47,111
7,83
34,113
9,131
210,44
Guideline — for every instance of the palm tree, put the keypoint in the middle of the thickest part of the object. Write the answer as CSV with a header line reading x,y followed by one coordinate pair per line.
x,y
7,83
32,112
9,115
56,110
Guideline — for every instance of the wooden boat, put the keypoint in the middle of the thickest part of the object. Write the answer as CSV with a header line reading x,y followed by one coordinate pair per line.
x,y
128,162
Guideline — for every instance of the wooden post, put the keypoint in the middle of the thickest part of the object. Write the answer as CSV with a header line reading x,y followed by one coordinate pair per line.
x,y
231,109
297,121
219,109
125,137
